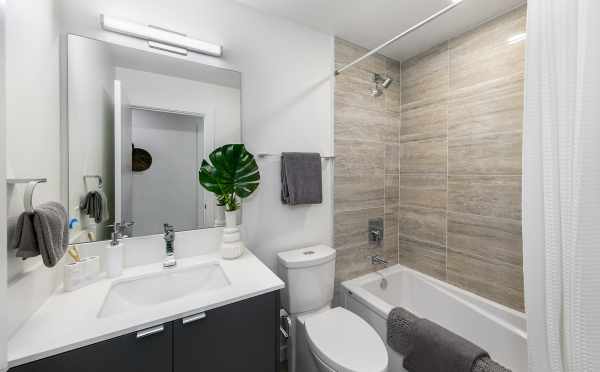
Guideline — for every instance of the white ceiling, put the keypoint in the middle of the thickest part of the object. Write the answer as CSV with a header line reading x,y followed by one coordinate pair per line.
x,y
369,23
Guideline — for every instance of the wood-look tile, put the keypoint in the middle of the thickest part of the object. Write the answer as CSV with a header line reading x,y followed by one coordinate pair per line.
x,y
494,153
393,69
392,194
425,75
392,159
359,192
423,156
494,196
353,88
485,53
351,228
392,98
495,106
424,119
346,52
424,190
353,122
422,224
425,257
359,158
390,232
350,264
486,277
495,238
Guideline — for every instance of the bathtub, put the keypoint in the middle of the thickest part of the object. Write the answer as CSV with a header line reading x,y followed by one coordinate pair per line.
x,y
499,330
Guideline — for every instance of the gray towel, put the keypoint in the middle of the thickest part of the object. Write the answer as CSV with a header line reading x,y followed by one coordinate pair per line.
x,y
427,347
93,205
399,330
43,232
435,349
301,178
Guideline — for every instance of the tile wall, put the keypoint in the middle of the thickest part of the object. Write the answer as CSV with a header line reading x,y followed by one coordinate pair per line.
x,y
367,138
441,162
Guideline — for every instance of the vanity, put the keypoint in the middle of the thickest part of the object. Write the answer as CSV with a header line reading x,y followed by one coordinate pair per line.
x,y
229,321
141,120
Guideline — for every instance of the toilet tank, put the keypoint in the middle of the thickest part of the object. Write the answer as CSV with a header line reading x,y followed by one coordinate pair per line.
x,y
308,274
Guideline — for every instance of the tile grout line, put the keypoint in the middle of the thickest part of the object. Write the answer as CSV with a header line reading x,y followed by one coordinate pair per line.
x,y
447,168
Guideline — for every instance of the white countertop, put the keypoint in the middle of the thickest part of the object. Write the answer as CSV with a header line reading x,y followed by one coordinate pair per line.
x,y
68,320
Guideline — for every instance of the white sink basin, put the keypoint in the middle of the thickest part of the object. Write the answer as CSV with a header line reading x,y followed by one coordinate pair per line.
x,y
163,286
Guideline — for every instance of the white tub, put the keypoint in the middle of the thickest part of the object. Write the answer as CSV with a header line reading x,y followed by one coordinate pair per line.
x,y
499,330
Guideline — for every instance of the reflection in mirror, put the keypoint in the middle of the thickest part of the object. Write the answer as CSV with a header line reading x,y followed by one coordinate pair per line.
x,y
138,121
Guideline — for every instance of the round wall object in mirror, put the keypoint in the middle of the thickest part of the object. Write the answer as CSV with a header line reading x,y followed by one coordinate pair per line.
x,y
141,159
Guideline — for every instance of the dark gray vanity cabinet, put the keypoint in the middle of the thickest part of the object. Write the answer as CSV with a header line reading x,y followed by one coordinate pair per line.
x,y
134,352
240,337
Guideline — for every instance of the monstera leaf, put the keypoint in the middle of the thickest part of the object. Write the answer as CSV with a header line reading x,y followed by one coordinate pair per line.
x,y
232,174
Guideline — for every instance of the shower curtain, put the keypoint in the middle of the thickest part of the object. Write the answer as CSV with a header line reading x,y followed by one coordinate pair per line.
x,y
561,185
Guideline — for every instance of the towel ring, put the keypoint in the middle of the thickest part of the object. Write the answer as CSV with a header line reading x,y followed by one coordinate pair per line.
x,y
28,196
100,182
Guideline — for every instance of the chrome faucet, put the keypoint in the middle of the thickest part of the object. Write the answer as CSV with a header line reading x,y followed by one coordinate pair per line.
x,y
378,260
169,237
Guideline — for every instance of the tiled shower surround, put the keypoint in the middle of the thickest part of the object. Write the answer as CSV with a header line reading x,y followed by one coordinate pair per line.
x,y
445,173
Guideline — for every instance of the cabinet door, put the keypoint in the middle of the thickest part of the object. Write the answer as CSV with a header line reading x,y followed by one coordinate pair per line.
x,y
149,350
241,337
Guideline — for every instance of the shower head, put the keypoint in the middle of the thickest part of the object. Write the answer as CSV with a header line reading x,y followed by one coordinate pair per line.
x,y
381,82
386,83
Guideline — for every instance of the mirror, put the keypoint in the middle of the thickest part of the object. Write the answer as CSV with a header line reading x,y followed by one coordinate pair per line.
x,y
139,120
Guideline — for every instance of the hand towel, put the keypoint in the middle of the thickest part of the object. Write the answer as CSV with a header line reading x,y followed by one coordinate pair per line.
x,y
301,178
43,232
50,222
105,211
91,205
23,236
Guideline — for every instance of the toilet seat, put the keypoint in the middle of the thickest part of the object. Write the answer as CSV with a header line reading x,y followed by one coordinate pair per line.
x,y
345,342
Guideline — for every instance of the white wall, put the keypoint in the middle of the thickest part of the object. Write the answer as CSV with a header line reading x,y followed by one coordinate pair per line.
x,y
287,101
168,191
177,94
91,130
32,135
3,307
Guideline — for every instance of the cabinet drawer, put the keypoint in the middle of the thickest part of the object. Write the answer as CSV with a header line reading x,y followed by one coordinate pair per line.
x,y
146,351
239,337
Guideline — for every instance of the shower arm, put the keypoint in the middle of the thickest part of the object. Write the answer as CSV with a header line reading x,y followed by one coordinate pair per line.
x,y
399,36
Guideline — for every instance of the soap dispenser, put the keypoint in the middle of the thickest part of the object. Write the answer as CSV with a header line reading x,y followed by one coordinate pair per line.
x,y
114,251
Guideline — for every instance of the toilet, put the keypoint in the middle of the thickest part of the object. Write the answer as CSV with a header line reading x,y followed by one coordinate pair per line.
x,y
324,339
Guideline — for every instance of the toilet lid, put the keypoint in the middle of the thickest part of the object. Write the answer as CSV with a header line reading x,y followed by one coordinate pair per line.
x,y
345,342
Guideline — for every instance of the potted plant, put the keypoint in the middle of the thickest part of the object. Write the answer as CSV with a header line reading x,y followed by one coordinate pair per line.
x,y
232,176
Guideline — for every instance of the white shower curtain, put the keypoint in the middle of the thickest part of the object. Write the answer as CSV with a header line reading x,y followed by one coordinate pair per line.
x,y
561,185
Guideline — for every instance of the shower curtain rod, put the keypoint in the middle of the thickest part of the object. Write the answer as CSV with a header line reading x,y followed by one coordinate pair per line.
x,y
398,37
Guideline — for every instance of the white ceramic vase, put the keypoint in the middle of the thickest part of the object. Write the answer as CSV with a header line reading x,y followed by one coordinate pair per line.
x,y
220,216
232,245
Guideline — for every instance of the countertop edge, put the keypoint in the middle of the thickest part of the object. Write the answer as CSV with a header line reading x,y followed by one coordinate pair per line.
x,y
124,331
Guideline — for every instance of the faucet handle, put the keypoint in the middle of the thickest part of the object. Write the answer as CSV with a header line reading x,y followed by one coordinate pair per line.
x,y
168,228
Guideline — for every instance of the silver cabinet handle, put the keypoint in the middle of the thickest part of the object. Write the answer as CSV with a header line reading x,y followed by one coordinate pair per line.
x,y
150,331
193,318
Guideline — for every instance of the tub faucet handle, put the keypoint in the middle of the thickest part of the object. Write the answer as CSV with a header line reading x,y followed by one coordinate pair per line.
x,y
378,260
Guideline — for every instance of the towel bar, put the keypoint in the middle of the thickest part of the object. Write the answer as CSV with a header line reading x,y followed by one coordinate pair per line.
x,y
264,155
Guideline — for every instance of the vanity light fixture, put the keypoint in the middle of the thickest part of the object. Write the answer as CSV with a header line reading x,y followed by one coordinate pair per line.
x,y
159,37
